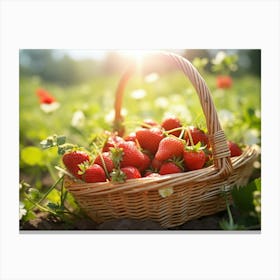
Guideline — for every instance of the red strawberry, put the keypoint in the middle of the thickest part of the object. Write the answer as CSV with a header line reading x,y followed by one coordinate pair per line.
x,y
130,137
172,123
169,147
132,156
235,151
131,172
148,123
112,141
194,159
149,138
107,157
156,164
72,160
145,163
94,173
197,135
169,168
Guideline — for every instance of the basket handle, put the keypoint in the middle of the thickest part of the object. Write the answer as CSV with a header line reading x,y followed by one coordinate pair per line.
x,y
217,138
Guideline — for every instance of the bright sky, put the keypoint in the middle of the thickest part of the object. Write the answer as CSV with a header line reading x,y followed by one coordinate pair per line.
x,y
95,54
82,54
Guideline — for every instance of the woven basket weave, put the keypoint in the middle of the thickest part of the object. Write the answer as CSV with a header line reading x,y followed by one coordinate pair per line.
x,y
170,200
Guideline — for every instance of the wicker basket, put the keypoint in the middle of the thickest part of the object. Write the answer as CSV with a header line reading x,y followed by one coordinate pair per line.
x,y
170,200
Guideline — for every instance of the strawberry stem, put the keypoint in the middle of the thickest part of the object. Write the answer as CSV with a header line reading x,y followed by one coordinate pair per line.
x,y
49,190
182,133
190,136
104,165
182,128
174,129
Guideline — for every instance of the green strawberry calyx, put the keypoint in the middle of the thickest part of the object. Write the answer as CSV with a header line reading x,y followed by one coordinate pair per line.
x,y
117,156
83,167
195,148
178,161
118,176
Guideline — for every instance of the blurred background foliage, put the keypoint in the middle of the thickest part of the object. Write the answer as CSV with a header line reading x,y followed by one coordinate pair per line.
x,y
72,67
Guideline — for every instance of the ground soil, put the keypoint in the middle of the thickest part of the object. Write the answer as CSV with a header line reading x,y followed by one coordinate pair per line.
x,y
44,221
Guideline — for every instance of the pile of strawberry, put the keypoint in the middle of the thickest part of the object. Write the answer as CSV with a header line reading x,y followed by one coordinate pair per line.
x,y
152,150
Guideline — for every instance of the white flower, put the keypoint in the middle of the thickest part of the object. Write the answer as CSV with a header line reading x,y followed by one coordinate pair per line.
x,y
111,115
258,114
78,119
257,148
176,98
48,108
138,94
22,210
151,77
161,102
178,110
251,137
257,164
226,117
219,57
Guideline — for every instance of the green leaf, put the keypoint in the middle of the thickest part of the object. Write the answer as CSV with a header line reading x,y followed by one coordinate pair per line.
x,y
243,196
60,140
54,196
53,206
32,156
33,193
30,215
257,182
62,149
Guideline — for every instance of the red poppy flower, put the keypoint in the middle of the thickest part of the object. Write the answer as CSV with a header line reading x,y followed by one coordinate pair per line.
x,y
45,97
224,82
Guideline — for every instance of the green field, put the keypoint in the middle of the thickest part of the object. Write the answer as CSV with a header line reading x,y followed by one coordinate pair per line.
x,y
238,109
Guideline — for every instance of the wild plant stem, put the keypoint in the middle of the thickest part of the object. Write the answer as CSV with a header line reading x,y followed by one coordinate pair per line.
x,y
62,196
50,211
39,206
229,213
49,190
